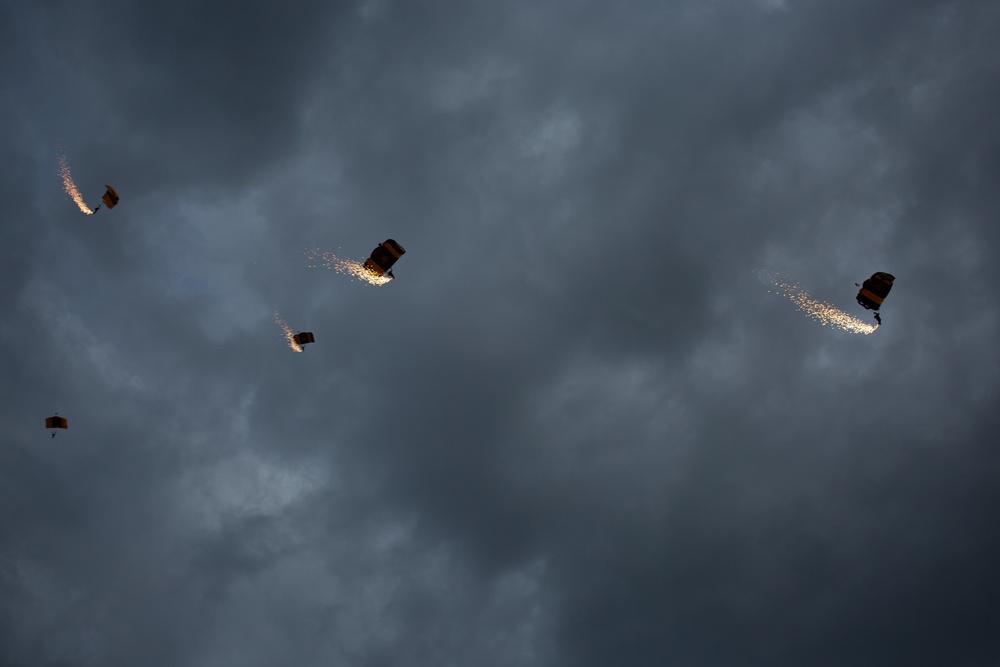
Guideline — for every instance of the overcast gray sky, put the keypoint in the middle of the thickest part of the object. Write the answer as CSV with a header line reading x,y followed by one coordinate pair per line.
x,y
577,430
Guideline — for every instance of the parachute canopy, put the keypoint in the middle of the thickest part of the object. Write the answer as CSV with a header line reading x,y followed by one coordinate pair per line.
x,y
56,422
383,257
875,289
303,338
110,197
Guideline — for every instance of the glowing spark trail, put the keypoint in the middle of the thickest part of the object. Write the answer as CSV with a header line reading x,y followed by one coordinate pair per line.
x,y
70,187
348,267
289,336
824,313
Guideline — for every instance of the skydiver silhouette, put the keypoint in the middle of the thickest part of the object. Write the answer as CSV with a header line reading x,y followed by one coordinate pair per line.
x,y
97,209
878,319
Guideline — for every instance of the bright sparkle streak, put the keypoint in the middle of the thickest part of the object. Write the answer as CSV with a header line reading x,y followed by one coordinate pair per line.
x,y
289,336
70,187
824,313
348,267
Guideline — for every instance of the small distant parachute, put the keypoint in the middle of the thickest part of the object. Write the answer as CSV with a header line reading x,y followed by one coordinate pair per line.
x,y
383,257
874,290
110,198
55,422
303,338
295,341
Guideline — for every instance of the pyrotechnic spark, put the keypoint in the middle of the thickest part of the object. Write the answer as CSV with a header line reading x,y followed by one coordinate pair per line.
x,y
824,313
289,336
70,187
348,267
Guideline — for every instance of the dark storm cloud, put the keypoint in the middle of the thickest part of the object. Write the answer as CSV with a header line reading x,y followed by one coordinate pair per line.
x,y
577,428
189,88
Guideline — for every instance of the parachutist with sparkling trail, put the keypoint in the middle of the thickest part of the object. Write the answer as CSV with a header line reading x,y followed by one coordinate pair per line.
x,y
303,338
874,290
383,257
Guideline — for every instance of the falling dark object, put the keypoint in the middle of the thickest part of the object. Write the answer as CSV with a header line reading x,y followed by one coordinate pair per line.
x,y
55,422
303,338
874,290
383,257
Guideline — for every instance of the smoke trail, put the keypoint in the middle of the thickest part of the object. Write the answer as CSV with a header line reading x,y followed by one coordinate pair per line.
x,y
824,313
348,267
287,332
70,187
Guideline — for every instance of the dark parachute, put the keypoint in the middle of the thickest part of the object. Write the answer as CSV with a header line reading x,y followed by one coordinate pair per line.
x,y
383,257
55,422
110,198
304,338
874,290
